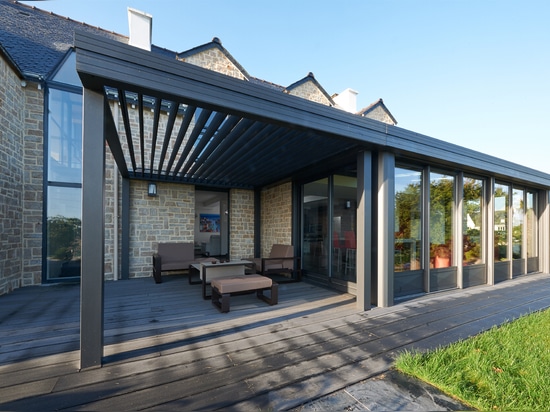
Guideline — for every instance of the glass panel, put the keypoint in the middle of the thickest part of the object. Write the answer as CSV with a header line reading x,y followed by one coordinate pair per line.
x,y
531,225
63,232
67,72
64,137
315,204
344,245
441,220
518,217
472,221
408,222
501,222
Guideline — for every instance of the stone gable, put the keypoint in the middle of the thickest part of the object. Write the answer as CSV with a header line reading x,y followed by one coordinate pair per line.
x,y
213,59
380,114
309,91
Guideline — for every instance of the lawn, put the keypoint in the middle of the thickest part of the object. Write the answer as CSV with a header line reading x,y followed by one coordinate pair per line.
x,y
505,368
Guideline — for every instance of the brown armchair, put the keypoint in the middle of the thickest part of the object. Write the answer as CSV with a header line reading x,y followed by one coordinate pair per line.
x,y
281,261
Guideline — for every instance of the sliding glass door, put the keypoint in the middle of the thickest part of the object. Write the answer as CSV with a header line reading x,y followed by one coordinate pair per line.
x,y
329,210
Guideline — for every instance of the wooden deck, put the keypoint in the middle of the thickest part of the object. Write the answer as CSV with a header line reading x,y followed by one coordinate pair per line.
x,y
167,348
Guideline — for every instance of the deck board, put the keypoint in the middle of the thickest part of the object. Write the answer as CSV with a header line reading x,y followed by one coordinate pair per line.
x,y
166,347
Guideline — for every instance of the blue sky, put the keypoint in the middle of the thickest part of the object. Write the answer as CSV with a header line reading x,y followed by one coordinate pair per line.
x,y
471,72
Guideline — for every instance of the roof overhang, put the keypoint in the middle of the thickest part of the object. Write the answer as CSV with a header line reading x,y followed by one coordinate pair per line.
x,y
213,130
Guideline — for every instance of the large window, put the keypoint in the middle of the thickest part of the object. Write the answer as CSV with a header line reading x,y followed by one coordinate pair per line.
x,y
441,220
472,221
64,136
408,220
315,238
531,231
518,218
344,216
63,232
63,160
501,196
329,245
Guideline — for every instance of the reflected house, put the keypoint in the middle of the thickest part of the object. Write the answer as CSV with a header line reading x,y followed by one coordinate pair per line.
x,y
372,209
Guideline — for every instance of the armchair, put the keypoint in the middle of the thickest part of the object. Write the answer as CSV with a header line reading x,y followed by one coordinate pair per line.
x,y
281,261
213,246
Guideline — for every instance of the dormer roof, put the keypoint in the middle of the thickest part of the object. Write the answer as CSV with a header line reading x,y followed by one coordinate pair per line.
x,y
378,111
309,88
212,61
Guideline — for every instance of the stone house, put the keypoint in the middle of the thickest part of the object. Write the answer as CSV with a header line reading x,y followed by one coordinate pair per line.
x,y
372,209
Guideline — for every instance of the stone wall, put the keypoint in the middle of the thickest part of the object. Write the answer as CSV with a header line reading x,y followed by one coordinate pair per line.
x,y
33,197
310,91
381,115
241,220
213,59
168,217
276,220
11,179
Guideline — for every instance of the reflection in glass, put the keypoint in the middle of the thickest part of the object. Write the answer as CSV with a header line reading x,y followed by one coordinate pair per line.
x,y
67,73
441,220
63,232
408,212
472,222
501,222
344,212
531,225
315,204
64,136
518,217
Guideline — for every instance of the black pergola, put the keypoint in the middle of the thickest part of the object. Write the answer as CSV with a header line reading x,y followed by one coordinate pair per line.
x,y
216,131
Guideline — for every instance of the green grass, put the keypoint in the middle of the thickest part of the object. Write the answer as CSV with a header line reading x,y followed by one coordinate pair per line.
x,y
505,368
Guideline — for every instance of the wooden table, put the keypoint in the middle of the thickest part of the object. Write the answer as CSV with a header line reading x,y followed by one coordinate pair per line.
x,y
210,270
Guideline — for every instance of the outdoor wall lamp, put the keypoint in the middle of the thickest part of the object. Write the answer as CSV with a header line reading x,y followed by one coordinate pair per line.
x,y
152,189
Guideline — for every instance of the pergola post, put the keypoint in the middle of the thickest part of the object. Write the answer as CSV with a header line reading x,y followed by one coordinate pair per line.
x,y
93,226
364,230
385,227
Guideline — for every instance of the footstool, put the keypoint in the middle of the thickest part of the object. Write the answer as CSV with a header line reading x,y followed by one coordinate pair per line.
x,y
222,288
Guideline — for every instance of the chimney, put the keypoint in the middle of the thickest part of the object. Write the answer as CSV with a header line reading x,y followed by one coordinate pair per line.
x,y
347,100
141,28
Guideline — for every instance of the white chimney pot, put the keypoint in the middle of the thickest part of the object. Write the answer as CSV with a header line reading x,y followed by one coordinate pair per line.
x,y
141,29
347,100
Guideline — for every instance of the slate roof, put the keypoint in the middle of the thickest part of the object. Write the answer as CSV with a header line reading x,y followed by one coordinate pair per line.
x,y
48,35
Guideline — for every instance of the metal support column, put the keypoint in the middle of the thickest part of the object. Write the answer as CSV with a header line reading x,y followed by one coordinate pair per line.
x,y
364,227
489,229
385,224
93,227
125,230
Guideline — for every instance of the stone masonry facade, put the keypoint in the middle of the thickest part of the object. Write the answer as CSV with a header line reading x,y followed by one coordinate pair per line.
x,y
21,179
11,179
381,115
310,91
170,216
213,59
276,217
33,197
241,220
